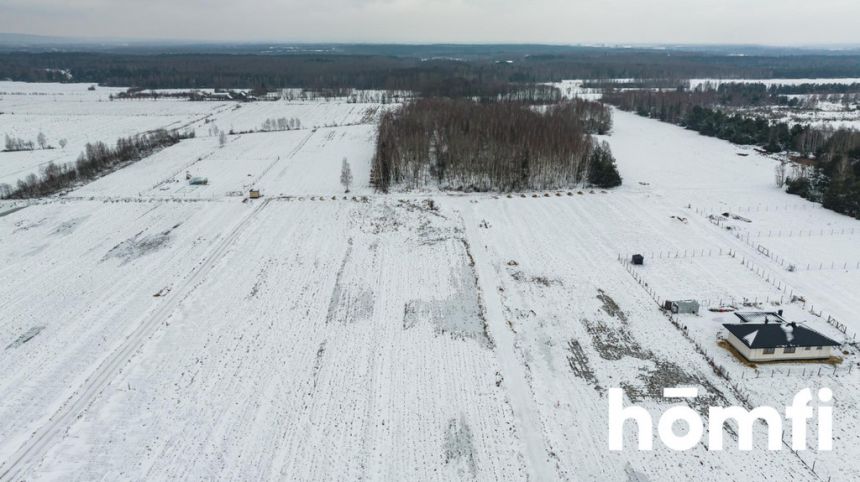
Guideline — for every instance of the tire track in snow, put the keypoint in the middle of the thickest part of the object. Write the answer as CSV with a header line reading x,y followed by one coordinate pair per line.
x,y
528,422
43,438
289,156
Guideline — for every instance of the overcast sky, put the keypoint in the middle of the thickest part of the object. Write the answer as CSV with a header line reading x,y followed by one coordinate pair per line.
x,y
785,22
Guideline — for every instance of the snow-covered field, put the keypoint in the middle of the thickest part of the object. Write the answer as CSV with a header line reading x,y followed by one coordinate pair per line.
x,y
154,330
311,114
72,113
296,162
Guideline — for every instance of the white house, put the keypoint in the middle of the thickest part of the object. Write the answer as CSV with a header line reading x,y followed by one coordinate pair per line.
x,y
760,342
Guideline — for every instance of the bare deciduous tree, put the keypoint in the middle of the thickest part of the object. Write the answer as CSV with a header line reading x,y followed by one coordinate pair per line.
x,y
345,175
779,171
18,144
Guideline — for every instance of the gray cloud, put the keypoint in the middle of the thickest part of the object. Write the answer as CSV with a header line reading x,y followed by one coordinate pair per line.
x,y
551,21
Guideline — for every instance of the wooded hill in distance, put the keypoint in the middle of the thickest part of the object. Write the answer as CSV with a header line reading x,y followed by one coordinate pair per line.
x,y
394,67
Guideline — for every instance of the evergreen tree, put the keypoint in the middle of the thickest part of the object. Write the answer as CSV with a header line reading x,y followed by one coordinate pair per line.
x,y
602,170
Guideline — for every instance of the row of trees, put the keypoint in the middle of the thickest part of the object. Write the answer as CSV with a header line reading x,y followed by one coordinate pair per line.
x,y
658,83
96,159
815,88
834,179
281,124
504,146
673,104
140,93
668,106
18,144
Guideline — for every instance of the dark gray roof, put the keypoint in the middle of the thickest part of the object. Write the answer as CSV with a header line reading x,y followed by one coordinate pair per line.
x,y
759,316
772,335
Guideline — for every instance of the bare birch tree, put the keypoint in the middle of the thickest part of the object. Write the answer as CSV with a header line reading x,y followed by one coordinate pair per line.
x,y
779,172
345,175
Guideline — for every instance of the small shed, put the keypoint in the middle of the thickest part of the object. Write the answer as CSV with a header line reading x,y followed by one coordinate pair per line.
x,y
682,306
254,194
760,342
638,259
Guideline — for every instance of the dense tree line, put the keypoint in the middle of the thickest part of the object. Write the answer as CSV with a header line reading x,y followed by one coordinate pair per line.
x,y
139,93
469,74
742,129
281,124
667,106
815,88
13,144
451,78
672,105
503,146
834,155
834,179
756,93
96,159
659,83
743,94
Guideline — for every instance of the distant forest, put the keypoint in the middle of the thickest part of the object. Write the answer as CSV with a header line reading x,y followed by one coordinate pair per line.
x,y
758,94
507,146
479,72
832,154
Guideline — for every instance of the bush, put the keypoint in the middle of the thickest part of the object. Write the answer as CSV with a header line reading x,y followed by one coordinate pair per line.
x,y
800,186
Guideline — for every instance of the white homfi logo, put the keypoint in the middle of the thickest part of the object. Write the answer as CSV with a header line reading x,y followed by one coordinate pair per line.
x,y
798,413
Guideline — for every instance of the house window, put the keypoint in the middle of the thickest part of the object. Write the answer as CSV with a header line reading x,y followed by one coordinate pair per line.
x,y
820,348
769,351
807,348
789,349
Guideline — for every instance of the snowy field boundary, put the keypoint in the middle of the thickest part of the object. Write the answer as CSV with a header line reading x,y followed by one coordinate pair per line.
x,y
751,241
790,294
789,265
760,271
